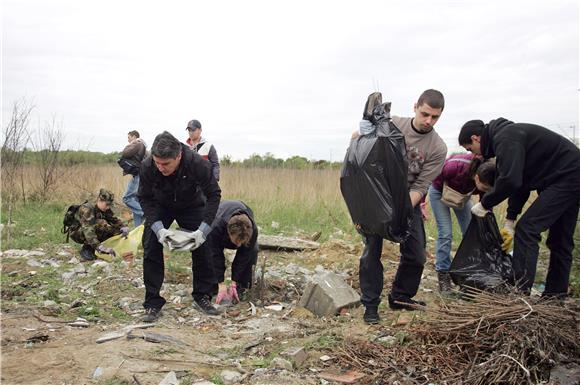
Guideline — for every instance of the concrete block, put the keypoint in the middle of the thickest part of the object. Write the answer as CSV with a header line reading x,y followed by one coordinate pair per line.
x,y
296,355
327,294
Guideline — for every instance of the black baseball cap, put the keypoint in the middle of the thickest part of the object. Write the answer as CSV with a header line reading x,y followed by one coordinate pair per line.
x,y
193,124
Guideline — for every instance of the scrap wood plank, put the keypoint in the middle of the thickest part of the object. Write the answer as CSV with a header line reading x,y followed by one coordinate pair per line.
x,y
285,243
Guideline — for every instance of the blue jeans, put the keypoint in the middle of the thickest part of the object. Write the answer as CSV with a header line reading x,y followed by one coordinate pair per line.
x,y
130,199
442,214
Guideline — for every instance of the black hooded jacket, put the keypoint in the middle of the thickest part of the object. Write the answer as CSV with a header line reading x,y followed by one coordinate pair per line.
x,y
219,232
529,157
192,185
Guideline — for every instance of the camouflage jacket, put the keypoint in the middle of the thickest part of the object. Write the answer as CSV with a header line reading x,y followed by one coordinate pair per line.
x,y
95,224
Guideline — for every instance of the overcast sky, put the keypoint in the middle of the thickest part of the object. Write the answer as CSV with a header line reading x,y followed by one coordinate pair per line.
x,y
289,78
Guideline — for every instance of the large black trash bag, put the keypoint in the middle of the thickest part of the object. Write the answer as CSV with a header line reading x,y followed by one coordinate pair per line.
x,y
373,180
480,262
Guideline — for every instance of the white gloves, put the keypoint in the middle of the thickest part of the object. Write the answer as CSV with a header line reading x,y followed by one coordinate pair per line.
x,y
164,235
197,238
479,210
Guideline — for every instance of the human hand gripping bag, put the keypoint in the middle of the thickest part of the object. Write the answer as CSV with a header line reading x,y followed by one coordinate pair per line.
x,y
373,180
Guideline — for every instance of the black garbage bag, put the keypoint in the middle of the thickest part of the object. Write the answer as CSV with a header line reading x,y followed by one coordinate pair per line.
x,y
480,261
373,180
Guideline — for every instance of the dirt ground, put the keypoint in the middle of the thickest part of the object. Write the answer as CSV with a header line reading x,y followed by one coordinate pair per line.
x,y
243,345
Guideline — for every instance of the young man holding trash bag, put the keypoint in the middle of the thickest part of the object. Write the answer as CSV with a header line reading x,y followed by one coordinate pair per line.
x,y
530,157
177,184
425,152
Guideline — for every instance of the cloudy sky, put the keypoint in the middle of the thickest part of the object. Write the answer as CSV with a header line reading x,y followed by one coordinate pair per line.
x,y
289,78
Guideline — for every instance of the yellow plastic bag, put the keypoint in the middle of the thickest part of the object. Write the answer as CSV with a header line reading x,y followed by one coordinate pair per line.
x,y
122,245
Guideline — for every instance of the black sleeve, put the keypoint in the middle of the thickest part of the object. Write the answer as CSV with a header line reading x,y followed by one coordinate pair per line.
x,y
145,192
210,189
516,203
214,160
511,158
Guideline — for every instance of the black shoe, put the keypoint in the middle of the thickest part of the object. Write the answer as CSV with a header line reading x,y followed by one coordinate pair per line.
x,y
408,303
151,314
203,304
371,315
88,253
444,279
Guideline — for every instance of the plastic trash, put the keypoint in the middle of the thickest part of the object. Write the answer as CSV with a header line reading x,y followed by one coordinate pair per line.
x,y
373,180
480,262
121,245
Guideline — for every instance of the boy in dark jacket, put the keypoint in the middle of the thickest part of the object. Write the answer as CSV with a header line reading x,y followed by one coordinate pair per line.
x,y
530,157
234,228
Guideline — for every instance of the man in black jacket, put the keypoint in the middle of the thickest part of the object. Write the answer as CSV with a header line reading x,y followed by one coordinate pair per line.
x,y
177,184
531,157
234,228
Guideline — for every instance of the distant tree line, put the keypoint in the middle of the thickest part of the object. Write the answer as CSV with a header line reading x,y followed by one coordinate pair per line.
x,y
268,160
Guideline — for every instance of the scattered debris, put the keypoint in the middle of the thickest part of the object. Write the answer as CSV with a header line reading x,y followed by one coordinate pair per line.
x,y
348,377
285,243
123,332
154,337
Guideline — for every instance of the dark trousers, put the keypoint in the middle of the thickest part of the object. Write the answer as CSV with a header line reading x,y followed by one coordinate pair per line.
x,y
408,277
242,266
556,210
204,281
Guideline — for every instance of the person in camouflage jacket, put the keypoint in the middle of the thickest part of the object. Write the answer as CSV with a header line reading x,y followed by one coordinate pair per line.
x,y
94,223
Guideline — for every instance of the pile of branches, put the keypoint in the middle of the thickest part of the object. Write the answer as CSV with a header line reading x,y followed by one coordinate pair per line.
x,y
489,339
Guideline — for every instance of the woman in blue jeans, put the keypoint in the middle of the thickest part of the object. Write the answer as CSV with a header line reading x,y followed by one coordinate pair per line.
x,y
465,174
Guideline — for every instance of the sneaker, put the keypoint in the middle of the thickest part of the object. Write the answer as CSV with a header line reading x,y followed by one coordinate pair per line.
x,y
151,314
373,100
409,304
371,315
88,253
203,304
444,279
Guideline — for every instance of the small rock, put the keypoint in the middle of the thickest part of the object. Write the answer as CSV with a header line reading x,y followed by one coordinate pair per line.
x,y
73,261
170,379
33,263
49,303
281,363
388,340
79,269
230,376
98,372
325,358
66,276
296,355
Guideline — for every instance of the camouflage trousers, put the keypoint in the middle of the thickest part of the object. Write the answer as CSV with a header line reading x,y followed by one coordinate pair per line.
x,y
100,232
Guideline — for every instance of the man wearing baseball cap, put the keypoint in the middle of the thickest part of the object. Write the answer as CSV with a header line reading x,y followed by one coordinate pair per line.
x,y
202,146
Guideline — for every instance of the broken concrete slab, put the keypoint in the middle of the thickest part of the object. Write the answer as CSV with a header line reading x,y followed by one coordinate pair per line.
x,y
327,294
277,242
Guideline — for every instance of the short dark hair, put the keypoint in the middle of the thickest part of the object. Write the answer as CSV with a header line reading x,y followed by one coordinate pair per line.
x,y
134,133
240,227
433,98
473,127
166,146
486,172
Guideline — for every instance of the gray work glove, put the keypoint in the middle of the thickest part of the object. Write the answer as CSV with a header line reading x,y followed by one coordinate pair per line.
x,y
163,235
125,232
106,250
199,236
